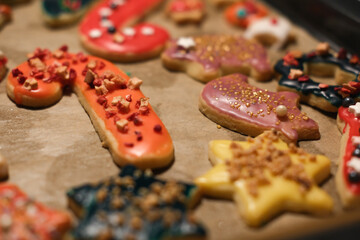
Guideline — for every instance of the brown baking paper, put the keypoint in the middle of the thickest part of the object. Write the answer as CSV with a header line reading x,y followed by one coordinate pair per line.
x,y
53,149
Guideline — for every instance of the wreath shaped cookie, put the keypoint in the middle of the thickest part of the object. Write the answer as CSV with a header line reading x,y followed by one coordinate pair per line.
x,y
295,67
119,111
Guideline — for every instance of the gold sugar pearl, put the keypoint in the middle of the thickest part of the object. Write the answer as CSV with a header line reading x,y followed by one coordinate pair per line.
x,y
281,111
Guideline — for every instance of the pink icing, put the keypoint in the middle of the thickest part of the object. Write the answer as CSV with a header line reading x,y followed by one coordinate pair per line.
x,y
232,95
212,51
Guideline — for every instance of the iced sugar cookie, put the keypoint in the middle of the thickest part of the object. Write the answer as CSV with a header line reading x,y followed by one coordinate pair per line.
x,y
265,177
186,11
348,173
120,113
233,103
4,168
107,31
210,56
5,15
63,12
135,205
270,31
242,14
23,218
296,67
3,68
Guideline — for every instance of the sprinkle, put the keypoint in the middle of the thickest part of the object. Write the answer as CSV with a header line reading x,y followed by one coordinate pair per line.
x,y
147,31
106,23
105,12
281,111
186,42
129,31
323,86
354,163
355,109
218,126
241,13
95,33
274,21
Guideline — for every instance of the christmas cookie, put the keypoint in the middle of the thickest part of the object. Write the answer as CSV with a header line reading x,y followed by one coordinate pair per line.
x,y
221,3
265,177
242,14
23,218
348,173
295,67
3,68
120,113
106,31
270,31
63,12
233,103
135,205
4,169
210,56
184,11
5,15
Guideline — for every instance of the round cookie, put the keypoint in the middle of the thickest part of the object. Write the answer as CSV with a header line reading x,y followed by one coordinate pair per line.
x,y
107,31
244,13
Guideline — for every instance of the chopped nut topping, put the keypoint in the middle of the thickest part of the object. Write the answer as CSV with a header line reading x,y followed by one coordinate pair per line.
x,y
295,73
122,125
251,163
134,83
90,76
31,84
58,54
121,103
109,84
322,48
91,65
62,72
118,38
37,64
136,223
102,90
144,105
101,194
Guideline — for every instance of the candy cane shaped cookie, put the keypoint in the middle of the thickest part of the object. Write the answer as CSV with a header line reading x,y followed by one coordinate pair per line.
x,y
348,173
121,114
105,31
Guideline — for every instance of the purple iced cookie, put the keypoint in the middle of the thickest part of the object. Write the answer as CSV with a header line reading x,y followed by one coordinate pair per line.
x,y
210,56
233,103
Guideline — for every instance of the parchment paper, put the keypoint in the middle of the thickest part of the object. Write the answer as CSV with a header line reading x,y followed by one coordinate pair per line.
x,y
53,149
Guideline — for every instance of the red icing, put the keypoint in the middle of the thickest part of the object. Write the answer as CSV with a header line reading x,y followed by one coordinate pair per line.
x,y
353,123
186,5
254,11
153,145
29,219
121,17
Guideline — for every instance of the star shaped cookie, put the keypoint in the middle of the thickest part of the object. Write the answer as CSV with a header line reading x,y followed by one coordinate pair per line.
x,y
265,177
135,205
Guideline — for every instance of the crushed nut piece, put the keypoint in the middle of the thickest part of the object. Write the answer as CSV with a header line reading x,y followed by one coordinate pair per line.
x,y
90,76
122,125
31,84
134,83
37,64
102,90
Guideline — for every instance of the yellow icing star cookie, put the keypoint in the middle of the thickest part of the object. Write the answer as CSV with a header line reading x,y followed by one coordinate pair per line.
x,y
265,177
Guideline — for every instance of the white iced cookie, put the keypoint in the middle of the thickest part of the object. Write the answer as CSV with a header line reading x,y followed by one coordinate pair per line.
x,y
270,31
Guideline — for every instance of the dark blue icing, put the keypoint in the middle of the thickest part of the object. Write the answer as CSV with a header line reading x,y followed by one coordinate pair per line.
x,y
311,87
97,214
55,8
